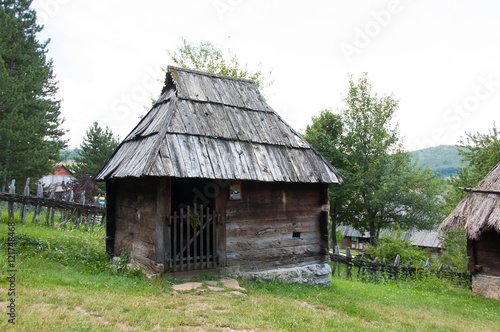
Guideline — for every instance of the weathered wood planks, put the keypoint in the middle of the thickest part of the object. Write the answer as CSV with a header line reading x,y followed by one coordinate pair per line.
x,y
209,121
275,224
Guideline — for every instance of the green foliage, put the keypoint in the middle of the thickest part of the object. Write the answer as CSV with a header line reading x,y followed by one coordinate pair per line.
x,y
69,154
97,147
442,159
29,113
325,135
454,249
383,185
339,235
479,154
72,248
392,244
207,57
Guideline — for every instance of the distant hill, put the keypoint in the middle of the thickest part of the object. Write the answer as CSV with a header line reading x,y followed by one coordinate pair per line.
x,y
69,154
442,159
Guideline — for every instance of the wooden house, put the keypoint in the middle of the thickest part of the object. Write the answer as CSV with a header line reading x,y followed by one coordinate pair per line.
x,y
62,174
212,178
479,214
360,240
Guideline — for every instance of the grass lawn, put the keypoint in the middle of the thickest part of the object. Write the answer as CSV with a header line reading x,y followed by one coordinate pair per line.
x,y
63,283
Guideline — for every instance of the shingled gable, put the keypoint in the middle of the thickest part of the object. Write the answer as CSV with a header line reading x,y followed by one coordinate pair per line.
x,y
216,127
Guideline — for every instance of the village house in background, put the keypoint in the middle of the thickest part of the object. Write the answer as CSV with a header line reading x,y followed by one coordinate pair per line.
x,y
354,239
212,179
479,214
61,175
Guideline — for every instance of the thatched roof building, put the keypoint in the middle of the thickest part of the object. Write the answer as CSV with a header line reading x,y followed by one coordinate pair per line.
x,y
213,178
479,214
480,210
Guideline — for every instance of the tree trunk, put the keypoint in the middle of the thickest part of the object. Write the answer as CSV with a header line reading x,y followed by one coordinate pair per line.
x,y
373,232
333,215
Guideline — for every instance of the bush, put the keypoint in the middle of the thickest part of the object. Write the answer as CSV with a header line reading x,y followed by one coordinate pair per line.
x,y
391,244
454,249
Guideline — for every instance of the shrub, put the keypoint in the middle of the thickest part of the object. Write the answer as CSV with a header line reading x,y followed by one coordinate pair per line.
x,y
454,249
391,244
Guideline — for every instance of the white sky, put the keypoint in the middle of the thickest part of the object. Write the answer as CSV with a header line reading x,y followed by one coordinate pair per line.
x,y
441,59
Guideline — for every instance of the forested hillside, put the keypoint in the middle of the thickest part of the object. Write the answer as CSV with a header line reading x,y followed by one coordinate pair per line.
x,y
442,159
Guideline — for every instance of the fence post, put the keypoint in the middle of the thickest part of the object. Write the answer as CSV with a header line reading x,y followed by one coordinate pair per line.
x,y
12,190
375,267
66,213
348,262
428,264
38,208
96,203
78,214
335,249
396,266
1,190
23,206
52,193
361,265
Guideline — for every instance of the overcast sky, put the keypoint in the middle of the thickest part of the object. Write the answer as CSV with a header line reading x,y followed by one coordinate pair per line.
x,y
440,59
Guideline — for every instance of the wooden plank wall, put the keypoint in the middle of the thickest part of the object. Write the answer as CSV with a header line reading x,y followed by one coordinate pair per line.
x,y
262,228
135,219
488,253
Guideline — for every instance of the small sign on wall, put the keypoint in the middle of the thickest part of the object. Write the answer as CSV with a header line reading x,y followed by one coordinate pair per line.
x,y
235,190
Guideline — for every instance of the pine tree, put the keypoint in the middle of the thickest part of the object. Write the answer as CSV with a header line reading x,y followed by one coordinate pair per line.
x,y
97,147
30,132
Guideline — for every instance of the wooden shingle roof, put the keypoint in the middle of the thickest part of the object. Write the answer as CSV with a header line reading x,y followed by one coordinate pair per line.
x,y
216,127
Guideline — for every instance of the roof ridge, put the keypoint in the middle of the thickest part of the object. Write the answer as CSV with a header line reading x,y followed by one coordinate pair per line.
x,y
203,73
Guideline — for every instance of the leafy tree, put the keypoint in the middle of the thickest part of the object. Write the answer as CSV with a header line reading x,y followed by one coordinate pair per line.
x,y
383,186
454,249
479,154
206,57
84,185
325,134
97,147
29,113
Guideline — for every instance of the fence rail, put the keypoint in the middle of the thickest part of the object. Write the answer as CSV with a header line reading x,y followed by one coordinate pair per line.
x,y
377,268
77,213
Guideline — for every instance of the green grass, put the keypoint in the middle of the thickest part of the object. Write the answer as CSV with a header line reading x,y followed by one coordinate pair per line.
x,y
73,288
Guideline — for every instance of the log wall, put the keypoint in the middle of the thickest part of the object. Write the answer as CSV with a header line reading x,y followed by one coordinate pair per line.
x,y
135,219
277,224
487,251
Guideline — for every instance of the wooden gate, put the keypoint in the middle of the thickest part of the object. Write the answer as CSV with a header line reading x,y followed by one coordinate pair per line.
x,y
193,239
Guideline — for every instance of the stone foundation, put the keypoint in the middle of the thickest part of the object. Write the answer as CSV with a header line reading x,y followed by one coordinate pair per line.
x,y
314,274
486,285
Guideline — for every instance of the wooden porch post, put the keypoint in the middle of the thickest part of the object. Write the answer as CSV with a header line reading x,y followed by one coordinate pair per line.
x,y
163,198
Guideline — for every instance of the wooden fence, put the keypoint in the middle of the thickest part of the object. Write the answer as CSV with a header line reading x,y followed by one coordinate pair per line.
x,y
375,269
80,214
